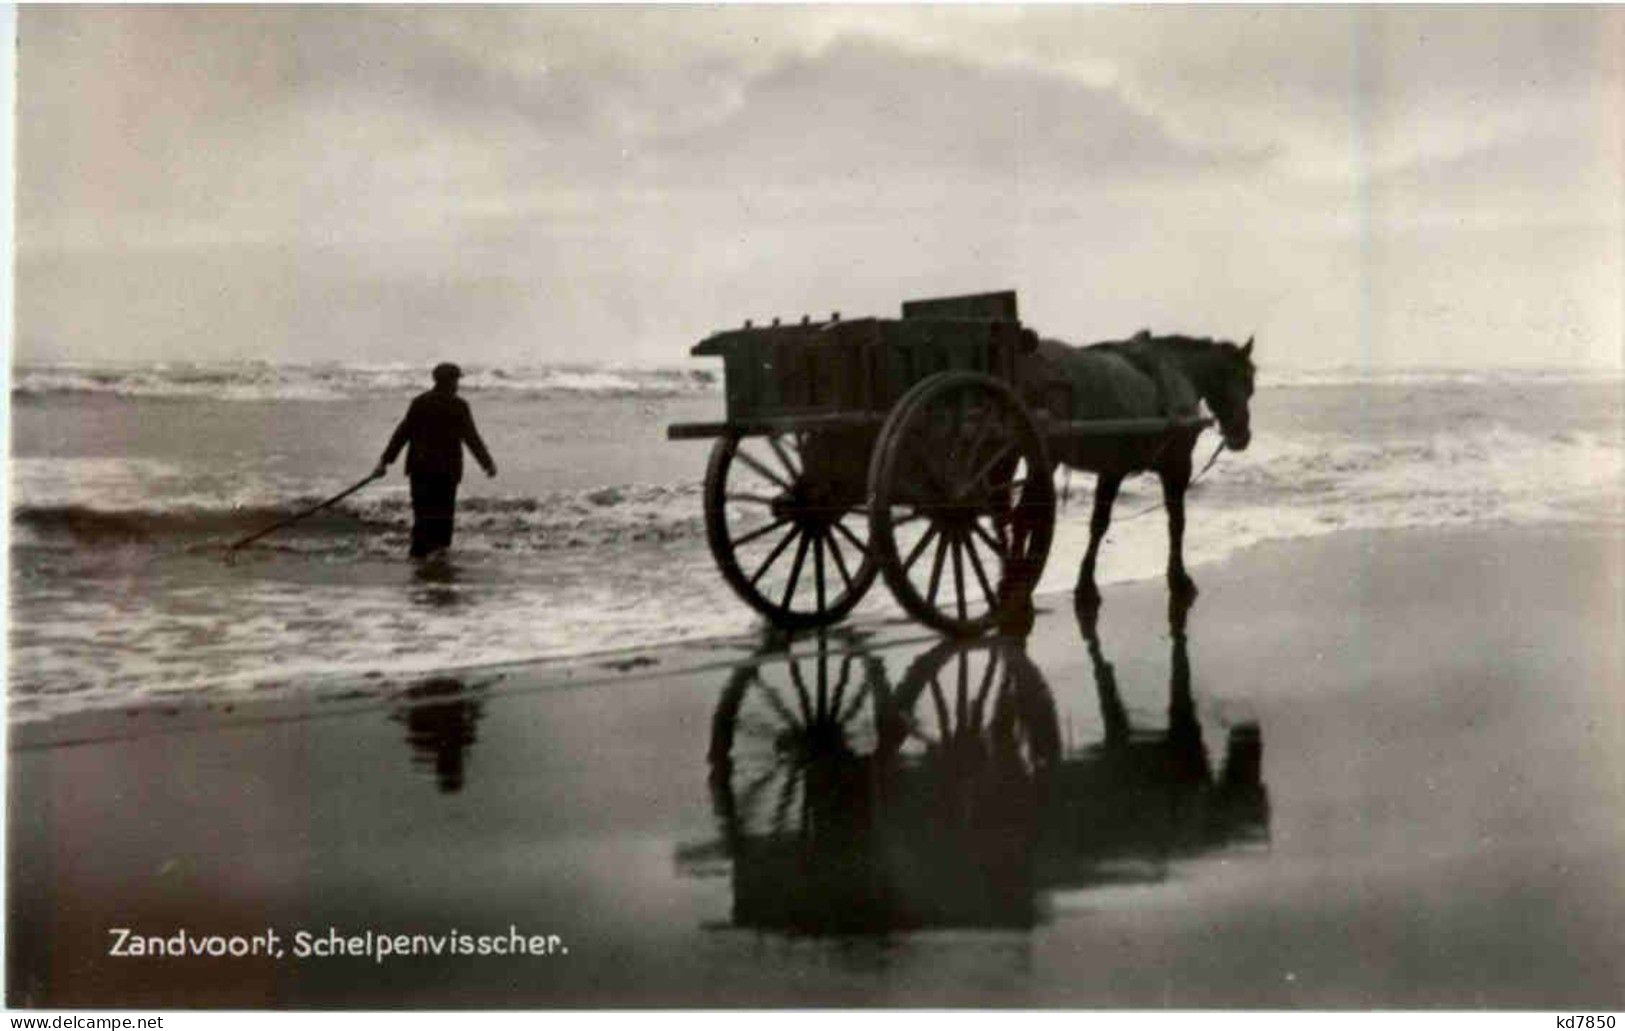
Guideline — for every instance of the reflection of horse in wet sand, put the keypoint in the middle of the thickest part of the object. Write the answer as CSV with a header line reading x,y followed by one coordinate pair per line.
x,y
1143,377
850,806
1144,797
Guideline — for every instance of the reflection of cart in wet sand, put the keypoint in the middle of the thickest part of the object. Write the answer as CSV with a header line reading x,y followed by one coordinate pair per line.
x,y
847,806
915,448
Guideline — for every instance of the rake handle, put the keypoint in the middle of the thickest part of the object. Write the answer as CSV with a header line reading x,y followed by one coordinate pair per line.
x,y
312,510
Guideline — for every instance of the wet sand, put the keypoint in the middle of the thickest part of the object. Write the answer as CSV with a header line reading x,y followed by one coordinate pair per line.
x,y
1380,770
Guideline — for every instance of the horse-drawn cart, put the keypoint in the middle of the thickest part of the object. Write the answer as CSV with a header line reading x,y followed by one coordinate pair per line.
x,y
915,448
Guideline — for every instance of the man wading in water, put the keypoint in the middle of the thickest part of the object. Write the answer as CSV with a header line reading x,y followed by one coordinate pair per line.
x,y
436,427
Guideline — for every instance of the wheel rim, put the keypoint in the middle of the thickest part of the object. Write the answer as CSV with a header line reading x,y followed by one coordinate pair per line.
x,y
783,725
972,706
962,503
793,546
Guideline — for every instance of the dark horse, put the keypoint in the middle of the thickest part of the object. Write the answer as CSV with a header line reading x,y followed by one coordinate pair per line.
x,y
1142,377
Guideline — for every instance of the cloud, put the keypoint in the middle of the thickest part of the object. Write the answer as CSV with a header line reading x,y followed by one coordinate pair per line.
x,y
300,180
860,109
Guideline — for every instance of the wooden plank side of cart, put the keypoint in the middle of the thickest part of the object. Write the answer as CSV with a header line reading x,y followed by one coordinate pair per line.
x,y
766,425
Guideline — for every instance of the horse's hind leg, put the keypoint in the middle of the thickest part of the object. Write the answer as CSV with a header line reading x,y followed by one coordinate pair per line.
x,y
1176,476
1106,486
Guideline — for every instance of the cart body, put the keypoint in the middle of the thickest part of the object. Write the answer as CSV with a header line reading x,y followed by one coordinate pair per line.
x,y
912,447
813,375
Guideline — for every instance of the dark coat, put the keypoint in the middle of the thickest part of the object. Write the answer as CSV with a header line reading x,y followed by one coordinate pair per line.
x,y
436,427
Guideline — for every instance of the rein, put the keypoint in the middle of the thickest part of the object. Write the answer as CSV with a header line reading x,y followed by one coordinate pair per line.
x,y
1157,504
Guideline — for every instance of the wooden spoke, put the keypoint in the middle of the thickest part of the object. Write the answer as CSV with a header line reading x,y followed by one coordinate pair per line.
x,y
802,696
962,695
840,560
823,668
761,531
753,499
795,571
856,704
926,459
753,790
981,575
840,689
863,549
987,538
936,566
787,795
773,556
941,705
762,470
987,683
959,578
1009,484
936,569
818,576
776,703
778,449
992,463
758,727
989,420
919,549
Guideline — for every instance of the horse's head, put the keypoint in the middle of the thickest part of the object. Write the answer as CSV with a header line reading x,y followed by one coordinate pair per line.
x,y
1229,390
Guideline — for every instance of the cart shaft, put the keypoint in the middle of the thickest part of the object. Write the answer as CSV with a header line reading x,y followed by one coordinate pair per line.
x,y
773,424
1052,427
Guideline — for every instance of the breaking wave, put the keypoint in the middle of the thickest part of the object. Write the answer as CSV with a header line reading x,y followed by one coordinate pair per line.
x,y
1492,473
263,381
563,519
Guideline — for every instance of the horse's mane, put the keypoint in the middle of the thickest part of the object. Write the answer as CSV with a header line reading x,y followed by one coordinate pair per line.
x,y
1188,344
1176,341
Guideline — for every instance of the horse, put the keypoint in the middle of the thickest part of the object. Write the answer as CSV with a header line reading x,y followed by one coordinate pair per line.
x,y
1144,376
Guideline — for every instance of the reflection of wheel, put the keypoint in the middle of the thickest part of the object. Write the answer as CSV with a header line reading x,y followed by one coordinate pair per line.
x,y
794,546
975,701
962,504
787,722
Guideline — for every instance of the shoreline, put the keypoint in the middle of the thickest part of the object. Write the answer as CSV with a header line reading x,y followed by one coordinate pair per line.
x,y
1335,788
329,692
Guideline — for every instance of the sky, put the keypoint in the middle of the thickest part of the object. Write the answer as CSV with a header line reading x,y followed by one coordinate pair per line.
x,y
498,185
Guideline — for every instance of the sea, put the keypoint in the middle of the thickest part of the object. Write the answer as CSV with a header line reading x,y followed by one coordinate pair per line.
x,y
128,483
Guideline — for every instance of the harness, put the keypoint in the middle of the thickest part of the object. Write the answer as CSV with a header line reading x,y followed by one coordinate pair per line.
x,y
1066,487
1158,373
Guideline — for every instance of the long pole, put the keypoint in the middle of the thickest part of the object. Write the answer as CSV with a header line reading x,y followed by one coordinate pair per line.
x,y
312,510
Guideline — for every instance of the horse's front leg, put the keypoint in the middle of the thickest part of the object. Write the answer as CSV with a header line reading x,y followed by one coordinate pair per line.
x,y
1106,486
1176,476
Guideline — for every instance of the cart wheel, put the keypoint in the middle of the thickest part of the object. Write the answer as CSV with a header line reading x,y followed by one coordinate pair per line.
x,y
962,503
795,550
785,720
972,704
